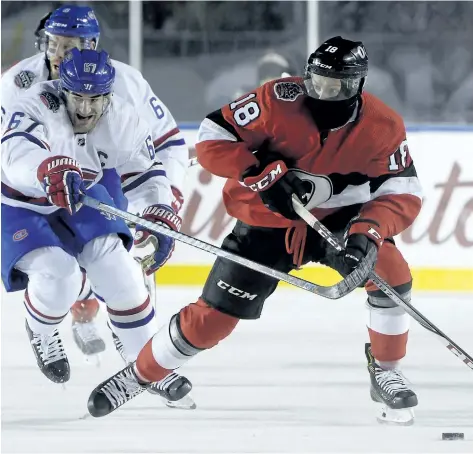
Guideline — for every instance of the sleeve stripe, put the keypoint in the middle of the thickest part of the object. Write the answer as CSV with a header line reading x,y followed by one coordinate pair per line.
x,y
375,183
128,178
171,143
218,118
27,136
143,178
401,185
90,170
166,136
125,177
209,130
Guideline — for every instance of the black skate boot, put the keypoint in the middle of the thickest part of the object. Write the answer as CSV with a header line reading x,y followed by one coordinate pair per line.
x,y
158,388
389,388
124,386
87,338
167,389
50,355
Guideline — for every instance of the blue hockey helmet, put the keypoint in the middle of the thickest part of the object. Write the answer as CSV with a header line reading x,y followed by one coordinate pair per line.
x,y
86,80
74,21
87,71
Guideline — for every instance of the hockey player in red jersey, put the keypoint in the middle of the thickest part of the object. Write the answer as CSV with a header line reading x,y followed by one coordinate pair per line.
x,y
344,153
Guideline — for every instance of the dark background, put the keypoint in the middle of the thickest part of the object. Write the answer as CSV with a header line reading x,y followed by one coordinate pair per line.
x,y
199,55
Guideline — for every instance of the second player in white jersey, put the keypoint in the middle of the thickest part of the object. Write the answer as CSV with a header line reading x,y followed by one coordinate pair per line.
x,y
130,85
129,150
76,26
58,138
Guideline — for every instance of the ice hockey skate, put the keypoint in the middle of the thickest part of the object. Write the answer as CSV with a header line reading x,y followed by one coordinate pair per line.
x,y
87,338
50,355
156,388
162,387
124,386
389,388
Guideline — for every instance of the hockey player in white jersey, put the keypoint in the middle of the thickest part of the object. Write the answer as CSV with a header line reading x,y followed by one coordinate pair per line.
x,y
59,138
76,26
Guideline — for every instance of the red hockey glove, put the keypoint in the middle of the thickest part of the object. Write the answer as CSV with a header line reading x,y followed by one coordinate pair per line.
x,y
156,249
61,178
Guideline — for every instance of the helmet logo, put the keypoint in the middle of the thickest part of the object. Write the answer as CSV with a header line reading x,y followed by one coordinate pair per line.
x,y
331,49
322,65
361,51
88,86
66,10
90,67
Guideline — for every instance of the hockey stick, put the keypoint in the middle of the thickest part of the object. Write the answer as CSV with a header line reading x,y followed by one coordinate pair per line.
x,y
313,222
339,290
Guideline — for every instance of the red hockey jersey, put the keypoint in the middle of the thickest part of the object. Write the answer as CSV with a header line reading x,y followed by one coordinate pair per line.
x,y
366,161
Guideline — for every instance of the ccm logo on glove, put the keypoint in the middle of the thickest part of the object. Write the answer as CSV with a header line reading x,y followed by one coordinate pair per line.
x,y
271,173
275,186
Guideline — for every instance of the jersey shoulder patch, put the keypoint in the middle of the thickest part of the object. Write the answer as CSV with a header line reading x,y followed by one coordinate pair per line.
x,y
50,100
288,91
24,79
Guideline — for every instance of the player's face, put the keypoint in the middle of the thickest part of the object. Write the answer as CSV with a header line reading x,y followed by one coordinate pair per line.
x,y
326,87
85,110
331,88
58,46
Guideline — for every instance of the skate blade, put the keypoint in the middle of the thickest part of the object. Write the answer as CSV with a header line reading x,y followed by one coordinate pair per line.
x,y
186,403
398,417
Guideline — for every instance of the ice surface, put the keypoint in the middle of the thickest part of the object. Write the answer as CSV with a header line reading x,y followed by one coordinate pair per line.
x,y
294,381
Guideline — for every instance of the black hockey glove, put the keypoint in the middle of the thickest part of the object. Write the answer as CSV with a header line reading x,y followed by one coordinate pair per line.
x,y
357,248
275,184
362,235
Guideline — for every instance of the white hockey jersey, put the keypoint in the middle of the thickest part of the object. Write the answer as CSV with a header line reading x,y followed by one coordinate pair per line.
x,y
39,127
130,85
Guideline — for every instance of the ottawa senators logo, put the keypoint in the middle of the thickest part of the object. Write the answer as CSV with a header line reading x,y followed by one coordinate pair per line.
x,y
319,188
287,91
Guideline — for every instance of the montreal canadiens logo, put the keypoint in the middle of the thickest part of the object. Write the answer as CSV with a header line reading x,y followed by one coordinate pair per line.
x,y
20,235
